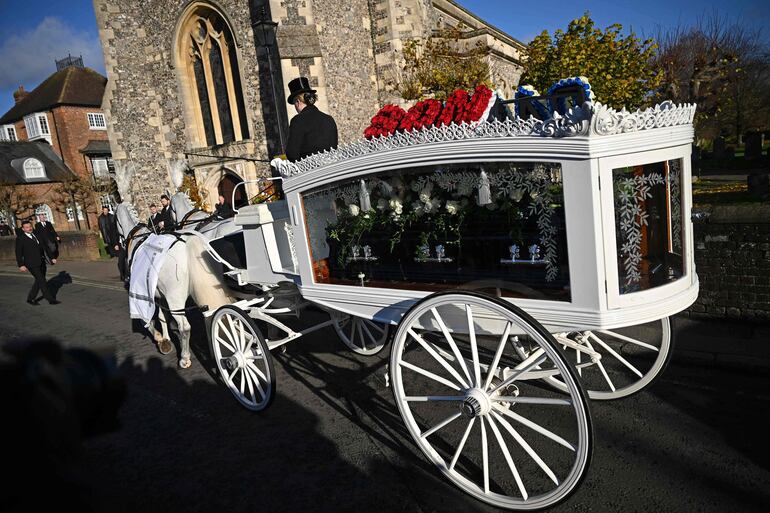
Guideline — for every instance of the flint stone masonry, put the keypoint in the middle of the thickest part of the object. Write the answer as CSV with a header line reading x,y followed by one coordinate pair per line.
x,y
732,259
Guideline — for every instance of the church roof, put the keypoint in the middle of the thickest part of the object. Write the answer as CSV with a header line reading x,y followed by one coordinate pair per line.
x,y
70,86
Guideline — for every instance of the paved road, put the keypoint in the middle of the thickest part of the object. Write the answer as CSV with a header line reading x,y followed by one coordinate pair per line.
x,y
333,440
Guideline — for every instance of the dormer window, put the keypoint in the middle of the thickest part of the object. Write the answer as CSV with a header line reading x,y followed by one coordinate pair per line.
x,y
33,168
37,126
96,121
8,133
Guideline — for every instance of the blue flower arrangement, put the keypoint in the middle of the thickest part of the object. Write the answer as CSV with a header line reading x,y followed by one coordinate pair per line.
x,y
564,83
526,91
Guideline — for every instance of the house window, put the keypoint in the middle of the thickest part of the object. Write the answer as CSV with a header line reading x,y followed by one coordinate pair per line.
x,y
107,201
71,215
37,126
8,133
207,54
33,168
100,167
96,121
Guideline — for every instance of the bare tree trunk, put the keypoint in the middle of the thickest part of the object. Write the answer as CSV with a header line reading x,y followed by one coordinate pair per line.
x,y
75,210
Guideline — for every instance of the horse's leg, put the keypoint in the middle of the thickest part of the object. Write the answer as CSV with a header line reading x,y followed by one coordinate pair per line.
x,y
163,339
184,328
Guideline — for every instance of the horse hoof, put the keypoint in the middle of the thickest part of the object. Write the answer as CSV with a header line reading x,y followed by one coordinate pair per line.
x,y
165,346
185,363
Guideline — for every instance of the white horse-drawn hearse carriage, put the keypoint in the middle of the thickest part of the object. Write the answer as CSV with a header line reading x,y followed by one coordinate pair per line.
x,y
518,267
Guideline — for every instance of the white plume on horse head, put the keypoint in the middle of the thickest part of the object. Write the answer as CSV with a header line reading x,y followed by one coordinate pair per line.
x,y
124,173
177,169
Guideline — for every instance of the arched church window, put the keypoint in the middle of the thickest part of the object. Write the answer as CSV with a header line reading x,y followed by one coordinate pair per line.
x,y
210,62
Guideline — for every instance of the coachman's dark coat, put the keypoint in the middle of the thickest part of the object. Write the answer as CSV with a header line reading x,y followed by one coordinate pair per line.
x,y
310,131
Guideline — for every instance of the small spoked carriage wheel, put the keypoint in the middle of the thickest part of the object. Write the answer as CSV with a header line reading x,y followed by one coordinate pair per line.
x,y
242,357
632,357
482,413
361,335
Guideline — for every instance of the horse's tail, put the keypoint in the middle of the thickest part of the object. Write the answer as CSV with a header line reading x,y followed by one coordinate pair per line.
x,y
207,287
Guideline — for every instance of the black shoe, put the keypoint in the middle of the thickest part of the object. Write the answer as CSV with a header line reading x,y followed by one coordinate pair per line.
x,y
33,303
54,302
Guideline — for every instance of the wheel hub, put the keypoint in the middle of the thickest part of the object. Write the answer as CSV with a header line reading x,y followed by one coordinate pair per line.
x,y
476,403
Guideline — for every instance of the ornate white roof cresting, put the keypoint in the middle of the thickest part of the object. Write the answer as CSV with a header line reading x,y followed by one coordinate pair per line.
x,y
592,118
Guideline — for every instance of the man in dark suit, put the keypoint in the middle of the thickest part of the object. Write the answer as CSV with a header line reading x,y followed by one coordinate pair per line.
x,y
31,256
108,226
154,219
222,209
46,233
165,219
310,131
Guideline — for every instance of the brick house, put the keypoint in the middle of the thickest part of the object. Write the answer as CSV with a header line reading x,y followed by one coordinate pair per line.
x,y
64,113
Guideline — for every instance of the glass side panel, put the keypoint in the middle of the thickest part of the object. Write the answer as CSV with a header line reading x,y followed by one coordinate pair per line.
x,y
497,227
648,225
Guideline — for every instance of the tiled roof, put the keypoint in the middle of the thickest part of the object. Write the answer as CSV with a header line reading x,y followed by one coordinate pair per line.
x,y
13,155
70,86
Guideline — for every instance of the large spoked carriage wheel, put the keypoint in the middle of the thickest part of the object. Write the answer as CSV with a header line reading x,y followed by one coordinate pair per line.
x,y
243,358
361,335
632,358
480,412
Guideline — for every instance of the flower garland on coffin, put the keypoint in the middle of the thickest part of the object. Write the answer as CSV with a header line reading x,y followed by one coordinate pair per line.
x,y
460,107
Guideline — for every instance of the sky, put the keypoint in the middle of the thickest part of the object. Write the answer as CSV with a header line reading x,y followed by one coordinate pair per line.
x,y
34,33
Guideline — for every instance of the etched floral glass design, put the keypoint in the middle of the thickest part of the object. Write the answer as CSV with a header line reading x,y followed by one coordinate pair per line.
x,y
438,227
648,225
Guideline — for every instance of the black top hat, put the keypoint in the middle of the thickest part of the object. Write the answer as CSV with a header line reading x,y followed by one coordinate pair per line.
x,y
298,86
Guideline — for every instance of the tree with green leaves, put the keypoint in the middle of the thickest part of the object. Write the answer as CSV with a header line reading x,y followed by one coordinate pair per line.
x,y
441,64
618,67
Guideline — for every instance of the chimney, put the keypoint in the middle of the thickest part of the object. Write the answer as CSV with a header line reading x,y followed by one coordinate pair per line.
x,y
19,94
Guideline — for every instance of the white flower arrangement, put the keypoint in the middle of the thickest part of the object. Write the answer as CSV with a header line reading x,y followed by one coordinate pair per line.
x,y
452,207
354,209
396,206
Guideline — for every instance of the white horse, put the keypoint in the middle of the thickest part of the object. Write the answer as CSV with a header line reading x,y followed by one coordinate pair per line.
x,y
186,272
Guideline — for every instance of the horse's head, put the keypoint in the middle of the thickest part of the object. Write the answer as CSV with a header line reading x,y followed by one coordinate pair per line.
x,y
126,217
181,205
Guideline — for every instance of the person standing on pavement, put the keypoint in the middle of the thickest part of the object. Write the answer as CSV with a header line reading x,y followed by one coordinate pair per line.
x,y
310,131
31,257
108,226
46,233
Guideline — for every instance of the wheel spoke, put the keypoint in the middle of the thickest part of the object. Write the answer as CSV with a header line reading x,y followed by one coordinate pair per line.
x,y
243,380
523,443
250,385
629,339
361,334
474,347
372,338
535,359
462,444
532,400
498,354
535,427
230,377
602,369
432,398
374,325
227,331
441,424
484,454
440,359
255,372
452,344
223,342
429,374
616,355
507,454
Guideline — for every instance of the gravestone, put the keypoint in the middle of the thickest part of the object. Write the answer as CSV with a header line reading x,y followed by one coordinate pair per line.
x,y
754,142
719,148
